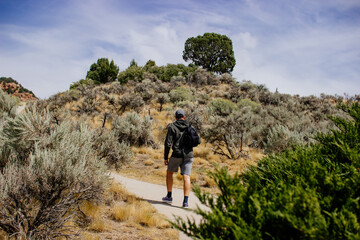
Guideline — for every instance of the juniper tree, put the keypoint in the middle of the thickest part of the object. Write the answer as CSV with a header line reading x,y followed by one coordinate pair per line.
x,y
103,71
212,51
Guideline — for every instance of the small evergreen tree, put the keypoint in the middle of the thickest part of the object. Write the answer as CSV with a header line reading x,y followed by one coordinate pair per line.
x,y
103,71
211,51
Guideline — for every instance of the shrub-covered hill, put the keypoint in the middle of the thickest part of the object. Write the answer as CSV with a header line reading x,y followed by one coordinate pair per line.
x,y
236,121
228,114
12,87
54,181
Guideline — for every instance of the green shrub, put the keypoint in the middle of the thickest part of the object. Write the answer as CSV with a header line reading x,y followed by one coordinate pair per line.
x,y
131,73
181,94
87,82
221,107
308,192
254,106
103,71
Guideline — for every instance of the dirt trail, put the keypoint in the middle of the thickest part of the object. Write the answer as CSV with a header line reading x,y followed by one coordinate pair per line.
x,y
153,194
20,108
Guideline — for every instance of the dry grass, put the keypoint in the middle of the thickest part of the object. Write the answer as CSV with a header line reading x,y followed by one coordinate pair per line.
x,y
89,236
139,212
3,235
124,216
151,161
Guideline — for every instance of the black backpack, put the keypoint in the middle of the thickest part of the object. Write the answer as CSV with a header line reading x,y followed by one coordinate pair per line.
x,y
190,138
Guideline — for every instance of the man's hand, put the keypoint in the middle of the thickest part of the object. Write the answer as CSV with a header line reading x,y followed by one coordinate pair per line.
x,y
166,162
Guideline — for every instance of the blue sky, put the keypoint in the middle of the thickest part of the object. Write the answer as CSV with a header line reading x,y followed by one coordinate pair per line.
x,y
304,47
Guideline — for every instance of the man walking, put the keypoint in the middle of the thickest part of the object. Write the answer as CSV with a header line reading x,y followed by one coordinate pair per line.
x,y
181,156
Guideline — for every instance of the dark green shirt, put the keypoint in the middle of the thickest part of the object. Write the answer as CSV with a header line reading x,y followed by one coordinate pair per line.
x,y
175,131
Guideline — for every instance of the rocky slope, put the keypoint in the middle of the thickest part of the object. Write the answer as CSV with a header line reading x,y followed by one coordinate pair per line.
x,y
12,87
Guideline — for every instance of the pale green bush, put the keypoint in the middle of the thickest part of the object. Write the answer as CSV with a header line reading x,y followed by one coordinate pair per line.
x,y
109,149
8,104
221,107
134,130
47,170
229,134
280,138
162,98
227,78
181,94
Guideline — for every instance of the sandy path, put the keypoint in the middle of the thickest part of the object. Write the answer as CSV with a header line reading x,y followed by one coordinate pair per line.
x,y
153,194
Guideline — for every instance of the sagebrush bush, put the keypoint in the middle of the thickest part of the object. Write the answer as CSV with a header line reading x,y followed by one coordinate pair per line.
x,y
8,104
308,192
131,73
87,82
109,148
201,77
134,130
231,133
162,98
221,107
181,94
145,89
89,105
136,102
254,106
196,117
280,138
227,78
47,170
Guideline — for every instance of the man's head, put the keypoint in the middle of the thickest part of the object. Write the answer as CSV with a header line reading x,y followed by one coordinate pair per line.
x,y
180,114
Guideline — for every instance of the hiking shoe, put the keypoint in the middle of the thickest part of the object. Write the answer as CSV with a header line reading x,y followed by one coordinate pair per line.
x,y
185,205
167,199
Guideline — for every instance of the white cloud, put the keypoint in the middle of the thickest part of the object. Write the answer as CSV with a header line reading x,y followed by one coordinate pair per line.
x,y
247,40
276,44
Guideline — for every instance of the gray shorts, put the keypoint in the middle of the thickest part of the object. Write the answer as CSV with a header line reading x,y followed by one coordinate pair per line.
x,y
184,164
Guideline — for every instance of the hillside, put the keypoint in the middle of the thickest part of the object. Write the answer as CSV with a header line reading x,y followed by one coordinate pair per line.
x,y
238,122
12,87
121,125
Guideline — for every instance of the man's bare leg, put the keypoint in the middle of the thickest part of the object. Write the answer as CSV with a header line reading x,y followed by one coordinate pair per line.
x,y
187,185
169,181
